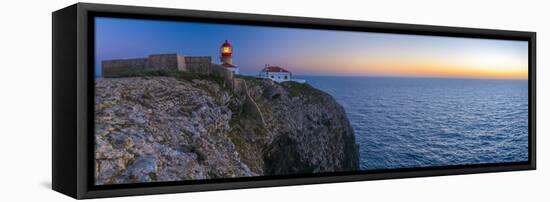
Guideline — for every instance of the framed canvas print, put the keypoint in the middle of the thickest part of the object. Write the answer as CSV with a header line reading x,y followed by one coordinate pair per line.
x,y
154,100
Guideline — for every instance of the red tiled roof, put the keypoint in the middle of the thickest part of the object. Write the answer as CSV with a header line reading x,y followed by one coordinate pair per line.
x,y
228,65
274,69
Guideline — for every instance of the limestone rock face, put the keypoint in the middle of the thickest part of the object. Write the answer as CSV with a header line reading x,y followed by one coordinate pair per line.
x,y
307,131
150,129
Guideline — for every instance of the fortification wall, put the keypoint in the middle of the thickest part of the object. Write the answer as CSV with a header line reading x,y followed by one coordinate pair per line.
x,y
165,61
201,65
116,68
239,86
226,75
181,63
198,59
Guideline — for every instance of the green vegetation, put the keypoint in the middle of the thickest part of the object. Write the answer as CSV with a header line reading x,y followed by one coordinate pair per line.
x,y
247,134
238,140
181,75
247,78
241,115
301,89
147,94
153,176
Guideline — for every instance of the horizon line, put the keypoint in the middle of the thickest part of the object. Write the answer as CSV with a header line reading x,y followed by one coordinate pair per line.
x,y
403,76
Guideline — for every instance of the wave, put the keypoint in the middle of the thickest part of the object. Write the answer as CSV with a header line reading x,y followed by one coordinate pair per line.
x,y
420,122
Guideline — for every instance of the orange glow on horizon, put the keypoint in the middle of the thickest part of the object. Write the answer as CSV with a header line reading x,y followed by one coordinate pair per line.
x,y
415,67
439,70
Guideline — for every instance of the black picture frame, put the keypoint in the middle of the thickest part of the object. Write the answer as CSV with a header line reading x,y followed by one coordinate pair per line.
x,y
73,92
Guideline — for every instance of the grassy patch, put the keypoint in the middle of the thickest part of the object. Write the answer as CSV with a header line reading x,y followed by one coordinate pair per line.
x,y
238,140
153,176
248,134
235,135
147,94
181,75
301,89
247,78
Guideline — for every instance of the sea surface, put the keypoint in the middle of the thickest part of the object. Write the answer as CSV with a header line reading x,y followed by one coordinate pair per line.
x,y
420,122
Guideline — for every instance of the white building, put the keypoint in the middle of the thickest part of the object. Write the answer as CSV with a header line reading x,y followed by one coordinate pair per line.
x,y
276,73
231,67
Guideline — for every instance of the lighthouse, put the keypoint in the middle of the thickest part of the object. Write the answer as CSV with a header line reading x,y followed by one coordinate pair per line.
x,y
226,57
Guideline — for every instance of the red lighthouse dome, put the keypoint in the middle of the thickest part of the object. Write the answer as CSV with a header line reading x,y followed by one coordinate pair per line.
x,y
226,49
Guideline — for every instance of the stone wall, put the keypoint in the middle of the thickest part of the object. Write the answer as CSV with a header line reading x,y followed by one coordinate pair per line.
x,y
201,65
181,63
198,59
220,71
166,61
116,68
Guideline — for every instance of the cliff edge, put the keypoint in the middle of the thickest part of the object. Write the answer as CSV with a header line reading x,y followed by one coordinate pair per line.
x,y
160,128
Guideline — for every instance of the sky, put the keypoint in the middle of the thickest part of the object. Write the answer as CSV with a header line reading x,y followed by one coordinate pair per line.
x,y
314,52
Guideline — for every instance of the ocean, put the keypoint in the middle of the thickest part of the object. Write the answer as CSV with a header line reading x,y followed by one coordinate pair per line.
x,y
423,122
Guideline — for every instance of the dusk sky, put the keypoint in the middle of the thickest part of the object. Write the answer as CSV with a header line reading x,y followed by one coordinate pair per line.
x,y
315,52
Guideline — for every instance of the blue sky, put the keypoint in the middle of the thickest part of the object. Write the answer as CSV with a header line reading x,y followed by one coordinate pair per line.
x,y
313,52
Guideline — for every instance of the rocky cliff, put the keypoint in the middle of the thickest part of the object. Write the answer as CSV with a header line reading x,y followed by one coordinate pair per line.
x,y
169,129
